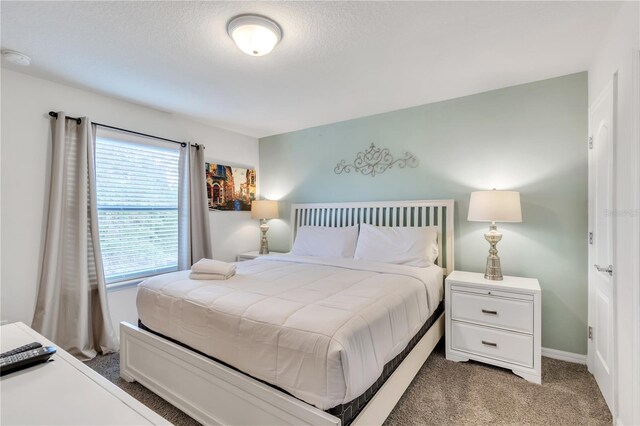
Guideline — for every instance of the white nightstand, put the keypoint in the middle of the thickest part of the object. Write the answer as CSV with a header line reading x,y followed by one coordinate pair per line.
x,y
496,322
250,255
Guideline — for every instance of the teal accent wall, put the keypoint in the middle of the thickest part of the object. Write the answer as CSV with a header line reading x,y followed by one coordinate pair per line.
x,y
529,138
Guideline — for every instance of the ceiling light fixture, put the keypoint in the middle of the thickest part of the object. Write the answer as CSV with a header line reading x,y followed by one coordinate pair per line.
x,y
16,57
255,35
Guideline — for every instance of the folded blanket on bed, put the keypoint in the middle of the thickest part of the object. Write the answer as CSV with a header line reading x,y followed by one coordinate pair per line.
x,y
197,276
210,266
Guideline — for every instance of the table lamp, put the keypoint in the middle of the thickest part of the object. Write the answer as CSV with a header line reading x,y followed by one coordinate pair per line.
x,y
263,210
494,206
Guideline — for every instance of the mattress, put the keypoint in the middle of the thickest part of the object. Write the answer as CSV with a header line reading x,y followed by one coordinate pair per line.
x,y
320,329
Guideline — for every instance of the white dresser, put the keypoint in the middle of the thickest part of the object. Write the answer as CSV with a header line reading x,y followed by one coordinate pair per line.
x,y
495,322
250,255
63,391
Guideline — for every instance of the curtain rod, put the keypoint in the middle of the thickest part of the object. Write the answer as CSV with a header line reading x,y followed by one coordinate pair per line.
x,y
78,120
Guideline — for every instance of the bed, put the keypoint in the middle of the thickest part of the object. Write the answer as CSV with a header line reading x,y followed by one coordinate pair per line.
x,y
295,339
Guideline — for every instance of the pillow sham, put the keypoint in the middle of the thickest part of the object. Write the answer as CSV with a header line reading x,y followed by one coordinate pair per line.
x,y
413,246
325,241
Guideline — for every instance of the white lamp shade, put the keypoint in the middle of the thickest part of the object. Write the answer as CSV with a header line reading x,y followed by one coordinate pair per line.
x,y
254,35
495,206
264,209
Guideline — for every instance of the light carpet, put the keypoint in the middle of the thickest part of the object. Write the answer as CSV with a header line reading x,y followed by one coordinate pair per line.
x,y
450,393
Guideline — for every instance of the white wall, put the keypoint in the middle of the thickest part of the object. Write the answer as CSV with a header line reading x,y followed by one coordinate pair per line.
x,y
618,52
25,162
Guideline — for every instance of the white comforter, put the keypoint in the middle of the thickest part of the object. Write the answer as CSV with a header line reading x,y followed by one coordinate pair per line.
x,y
321,329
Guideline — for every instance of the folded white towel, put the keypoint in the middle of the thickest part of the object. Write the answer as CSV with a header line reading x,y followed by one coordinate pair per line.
x,y
210,266
197,276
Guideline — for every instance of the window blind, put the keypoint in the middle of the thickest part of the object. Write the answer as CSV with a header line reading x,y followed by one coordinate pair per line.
x,y
137,203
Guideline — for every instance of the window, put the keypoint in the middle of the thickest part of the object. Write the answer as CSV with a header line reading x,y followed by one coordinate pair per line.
x,y
137,194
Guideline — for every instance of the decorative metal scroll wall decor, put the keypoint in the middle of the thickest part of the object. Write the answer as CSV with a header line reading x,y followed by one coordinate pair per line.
x,y
374,160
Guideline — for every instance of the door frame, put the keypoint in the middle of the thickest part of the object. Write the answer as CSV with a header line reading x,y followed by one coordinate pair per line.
x,y
613,86
635,109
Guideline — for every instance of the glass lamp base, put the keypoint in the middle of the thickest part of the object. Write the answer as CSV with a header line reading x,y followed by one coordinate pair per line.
x,y
264,244
493,270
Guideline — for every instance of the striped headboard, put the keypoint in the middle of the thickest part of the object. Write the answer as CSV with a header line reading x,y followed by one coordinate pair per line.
x,y
419,213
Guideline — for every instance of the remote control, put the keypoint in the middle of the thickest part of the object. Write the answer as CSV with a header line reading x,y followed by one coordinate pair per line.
x,y
25,359
34,345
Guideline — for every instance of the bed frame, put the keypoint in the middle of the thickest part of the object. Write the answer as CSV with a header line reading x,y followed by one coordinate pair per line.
x,y
213,393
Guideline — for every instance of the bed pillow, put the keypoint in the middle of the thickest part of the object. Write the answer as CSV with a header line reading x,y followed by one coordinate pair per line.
x,y
325,241
413,246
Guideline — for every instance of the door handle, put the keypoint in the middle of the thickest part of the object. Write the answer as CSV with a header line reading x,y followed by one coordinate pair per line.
x,y
608,269
485,311
484,342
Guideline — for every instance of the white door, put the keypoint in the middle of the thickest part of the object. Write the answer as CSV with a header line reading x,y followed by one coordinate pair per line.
x,y
600,358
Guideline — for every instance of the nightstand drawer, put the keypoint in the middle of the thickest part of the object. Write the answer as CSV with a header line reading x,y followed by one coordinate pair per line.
x,y
511,314
502,345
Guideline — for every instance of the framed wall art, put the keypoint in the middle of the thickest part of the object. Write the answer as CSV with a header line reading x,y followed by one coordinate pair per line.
x,y
230,188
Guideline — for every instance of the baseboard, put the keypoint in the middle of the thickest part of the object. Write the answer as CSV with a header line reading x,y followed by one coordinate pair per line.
x,y
564,356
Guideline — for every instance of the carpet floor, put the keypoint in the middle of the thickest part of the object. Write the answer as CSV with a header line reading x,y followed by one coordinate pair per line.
x,y
450,393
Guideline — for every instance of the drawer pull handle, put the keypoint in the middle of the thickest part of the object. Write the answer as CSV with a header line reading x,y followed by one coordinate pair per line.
x,y
484,311
495,345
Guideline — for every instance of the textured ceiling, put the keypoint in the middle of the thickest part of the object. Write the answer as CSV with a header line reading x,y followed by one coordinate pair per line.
x,y
337,60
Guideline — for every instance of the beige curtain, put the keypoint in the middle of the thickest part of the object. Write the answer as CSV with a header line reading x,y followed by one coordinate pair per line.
x,y
193,212
72,309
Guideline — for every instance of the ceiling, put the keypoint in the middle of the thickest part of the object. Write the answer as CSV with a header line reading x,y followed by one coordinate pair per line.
x,y
336,61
